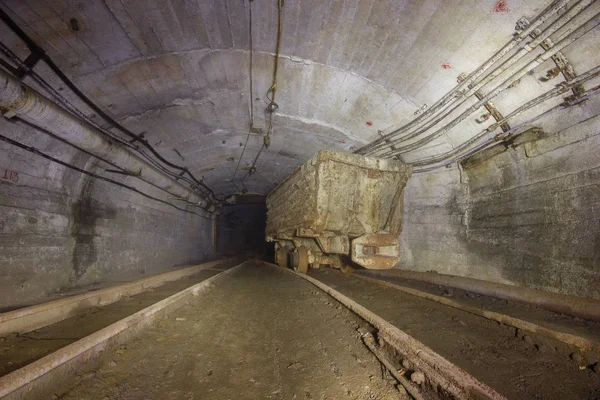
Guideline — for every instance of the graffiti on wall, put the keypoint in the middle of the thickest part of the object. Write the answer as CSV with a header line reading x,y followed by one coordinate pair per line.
x,y
10,176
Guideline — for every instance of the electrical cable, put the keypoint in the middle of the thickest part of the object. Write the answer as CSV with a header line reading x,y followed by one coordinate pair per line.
x,y
595,91
568,40
477,85
39,52
272,107
83,171
81,115
104,160
557,91
78,114
251,95
471,80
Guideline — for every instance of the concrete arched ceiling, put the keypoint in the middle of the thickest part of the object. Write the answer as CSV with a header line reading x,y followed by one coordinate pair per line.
x,y
178,70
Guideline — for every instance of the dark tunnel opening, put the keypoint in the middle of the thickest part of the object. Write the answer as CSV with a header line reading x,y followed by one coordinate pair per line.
x,y
240,227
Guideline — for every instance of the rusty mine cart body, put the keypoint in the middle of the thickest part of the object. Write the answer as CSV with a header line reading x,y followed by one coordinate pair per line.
x,y
338,207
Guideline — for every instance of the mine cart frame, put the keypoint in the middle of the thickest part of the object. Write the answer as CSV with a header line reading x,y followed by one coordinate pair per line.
x,y
337,208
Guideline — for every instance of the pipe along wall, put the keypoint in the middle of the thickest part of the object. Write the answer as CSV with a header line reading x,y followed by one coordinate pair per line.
x,y
63,231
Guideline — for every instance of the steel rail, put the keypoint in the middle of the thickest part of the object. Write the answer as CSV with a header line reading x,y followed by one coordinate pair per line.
x,y
37,378
565,337
451,379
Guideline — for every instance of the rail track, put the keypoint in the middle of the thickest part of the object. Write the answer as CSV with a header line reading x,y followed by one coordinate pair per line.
x,y
257,330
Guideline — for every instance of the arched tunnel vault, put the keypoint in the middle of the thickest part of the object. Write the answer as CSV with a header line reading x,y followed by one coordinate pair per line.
x,y
424,173
179,71
200,115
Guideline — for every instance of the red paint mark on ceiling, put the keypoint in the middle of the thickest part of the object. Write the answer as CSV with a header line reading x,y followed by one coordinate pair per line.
x,y
369,123
446,66
342,141
501,7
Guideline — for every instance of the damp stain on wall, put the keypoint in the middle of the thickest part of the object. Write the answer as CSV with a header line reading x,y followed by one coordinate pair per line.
x,y
85,217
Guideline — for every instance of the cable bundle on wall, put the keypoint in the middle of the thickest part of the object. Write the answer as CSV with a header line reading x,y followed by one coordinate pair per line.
x,y
25,67
425,128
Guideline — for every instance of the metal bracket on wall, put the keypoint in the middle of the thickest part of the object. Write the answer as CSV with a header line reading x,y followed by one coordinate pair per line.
x,y
28,64
492,110
562,64
387,141
123,172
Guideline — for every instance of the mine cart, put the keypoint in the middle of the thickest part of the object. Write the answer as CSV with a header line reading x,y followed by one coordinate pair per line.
x,y
338,209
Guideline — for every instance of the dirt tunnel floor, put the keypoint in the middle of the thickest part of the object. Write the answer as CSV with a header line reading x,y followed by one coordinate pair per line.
x,y
493,353
260,334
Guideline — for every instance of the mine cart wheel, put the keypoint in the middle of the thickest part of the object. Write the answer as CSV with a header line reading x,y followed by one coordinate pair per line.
x,y
282,257
301,260
346,269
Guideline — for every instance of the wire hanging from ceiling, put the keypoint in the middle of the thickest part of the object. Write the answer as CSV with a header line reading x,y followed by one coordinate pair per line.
x,y
272,107
251,77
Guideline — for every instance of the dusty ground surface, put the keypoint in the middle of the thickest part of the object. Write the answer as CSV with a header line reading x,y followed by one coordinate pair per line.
x,y
497,355
549,319
17,351
260,334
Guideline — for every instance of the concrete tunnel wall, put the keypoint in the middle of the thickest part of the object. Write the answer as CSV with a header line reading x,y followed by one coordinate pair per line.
x,y
61,230
349,70
526,216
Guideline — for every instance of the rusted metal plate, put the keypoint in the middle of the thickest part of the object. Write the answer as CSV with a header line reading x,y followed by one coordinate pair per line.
x,y
376,251
334,244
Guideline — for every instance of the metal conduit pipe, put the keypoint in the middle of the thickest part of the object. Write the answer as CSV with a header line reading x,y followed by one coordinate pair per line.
x,y
476,85
561,89
66,104
19,100
526,49
545,15
557,91
492,141
578,33
451,105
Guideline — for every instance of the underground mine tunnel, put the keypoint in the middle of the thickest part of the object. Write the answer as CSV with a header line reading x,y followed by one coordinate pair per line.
x,y
299,199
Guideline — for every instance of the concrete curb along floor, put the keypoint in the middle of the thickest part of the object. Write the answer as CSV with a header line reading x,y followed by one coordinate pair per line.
x,y
27,319
45,374
570,339
443,375
586,308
